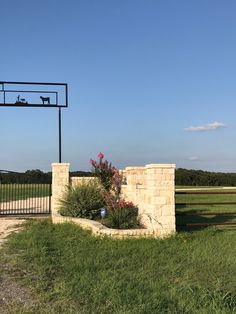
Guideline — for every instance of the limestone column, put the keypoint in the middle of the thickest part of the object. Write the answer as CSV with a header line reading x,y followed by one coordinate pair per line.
x,y
160,197
60,179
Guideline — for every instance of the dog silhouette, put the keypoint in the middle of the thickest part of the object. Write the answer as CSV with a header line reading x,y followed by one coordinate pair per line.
x,y
45,100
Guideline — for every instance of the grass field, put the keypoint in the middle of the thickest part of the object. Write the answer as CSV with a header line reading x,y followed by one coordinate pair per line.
x,y
13,192
66,270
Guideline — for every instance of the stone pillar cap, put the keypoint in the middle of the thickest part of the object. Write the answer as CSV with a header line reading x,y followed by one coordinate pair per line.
x,y
160,166
61,164
134,168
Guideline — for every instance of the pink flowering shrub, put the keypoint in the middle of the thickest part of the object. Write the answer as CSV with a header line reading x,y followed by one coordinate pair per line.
x,y
122,214
108,175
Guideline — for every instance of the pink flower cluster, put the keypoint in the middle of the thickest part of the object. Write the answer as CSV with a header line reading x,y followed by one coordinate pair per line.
x,y
125,204
91,161
100,156
108,175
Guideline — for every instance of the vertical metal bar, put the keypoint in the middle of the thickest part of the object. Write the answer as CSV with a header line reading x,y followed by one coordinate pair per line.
x,y
1,207
43,198
12,197
59,121
7,207
20,202
17,195
21,197
26,197
28,189
36,193
31,200
49,199
4,197
8,198
66,95
1,197
35,198
4,93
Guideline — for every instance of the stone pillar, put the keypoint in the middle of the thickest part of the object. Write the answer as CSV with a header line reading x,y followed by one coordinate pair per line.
x,y
60,179
160,190
152,189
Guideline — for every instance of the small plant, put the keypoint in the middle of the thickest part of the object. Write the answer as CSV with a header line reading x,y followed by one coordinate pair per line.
x,y
84,200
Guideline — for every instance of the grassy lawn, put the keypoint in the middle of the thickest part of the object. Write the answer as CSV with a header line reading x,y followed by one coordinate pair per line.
x,y
66,270
197,198
13,192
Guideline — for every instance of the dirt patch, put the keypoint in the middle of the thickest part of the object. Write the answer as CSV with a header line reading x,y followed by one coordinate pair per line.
x,y
7,226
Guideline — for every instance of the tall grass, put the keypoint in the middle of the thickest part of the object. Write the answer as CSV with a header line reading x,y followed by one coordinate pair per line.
x,y
70,271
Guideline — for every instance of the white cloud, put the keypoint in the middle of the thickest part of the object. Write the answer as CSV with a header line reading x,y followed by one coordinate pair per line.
x,y
206,127
193,158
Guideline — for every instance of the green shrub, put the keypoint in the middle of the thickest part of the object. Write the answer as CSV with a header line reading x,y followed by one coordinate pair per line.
x,y
123,218
84,200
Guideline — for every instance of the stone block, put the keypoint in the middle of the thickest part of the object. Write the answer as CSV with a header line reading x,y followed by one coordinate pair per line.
x,y
158,200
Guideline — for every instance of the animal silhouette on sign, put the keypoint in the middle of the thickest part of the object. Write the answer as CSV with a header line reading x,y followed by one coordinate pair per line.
x,y
45,100
21,101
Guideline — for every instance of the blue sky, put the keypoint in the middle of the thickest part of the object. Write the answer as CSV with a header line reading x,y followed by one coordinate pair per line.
x,y
150,81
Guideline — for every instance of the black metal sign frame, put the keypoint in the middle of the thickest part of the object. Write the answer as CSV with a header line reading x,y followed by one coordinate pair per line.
x,y
54,95
6,90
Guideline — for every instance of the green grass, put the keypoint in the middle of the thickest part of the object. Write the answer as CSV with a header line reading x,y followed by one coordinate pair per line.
x,y
69,271
197,198
13,192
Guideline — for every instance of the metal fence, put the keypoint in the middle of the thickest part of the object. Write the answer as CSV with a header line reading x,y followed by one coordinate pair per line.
x,y
24,198
214,213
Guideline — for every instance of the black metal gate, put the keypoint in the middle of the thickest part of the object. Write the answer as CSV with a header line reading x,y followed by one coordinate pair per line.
x,y
22,194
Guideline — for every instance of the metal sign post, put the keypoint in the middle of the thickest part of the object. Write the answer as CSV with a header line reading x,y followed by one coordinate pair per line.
x,y
59,128
32,94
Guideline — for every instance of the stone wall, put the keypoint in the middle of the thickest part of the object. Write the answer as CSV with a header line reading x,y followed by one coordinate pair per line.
x,y
151,188
77,180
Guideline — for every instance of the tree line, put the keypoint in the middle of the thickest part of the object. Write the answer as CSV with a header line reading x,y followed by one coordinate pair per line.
x,y
182,177
34,176
204,178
